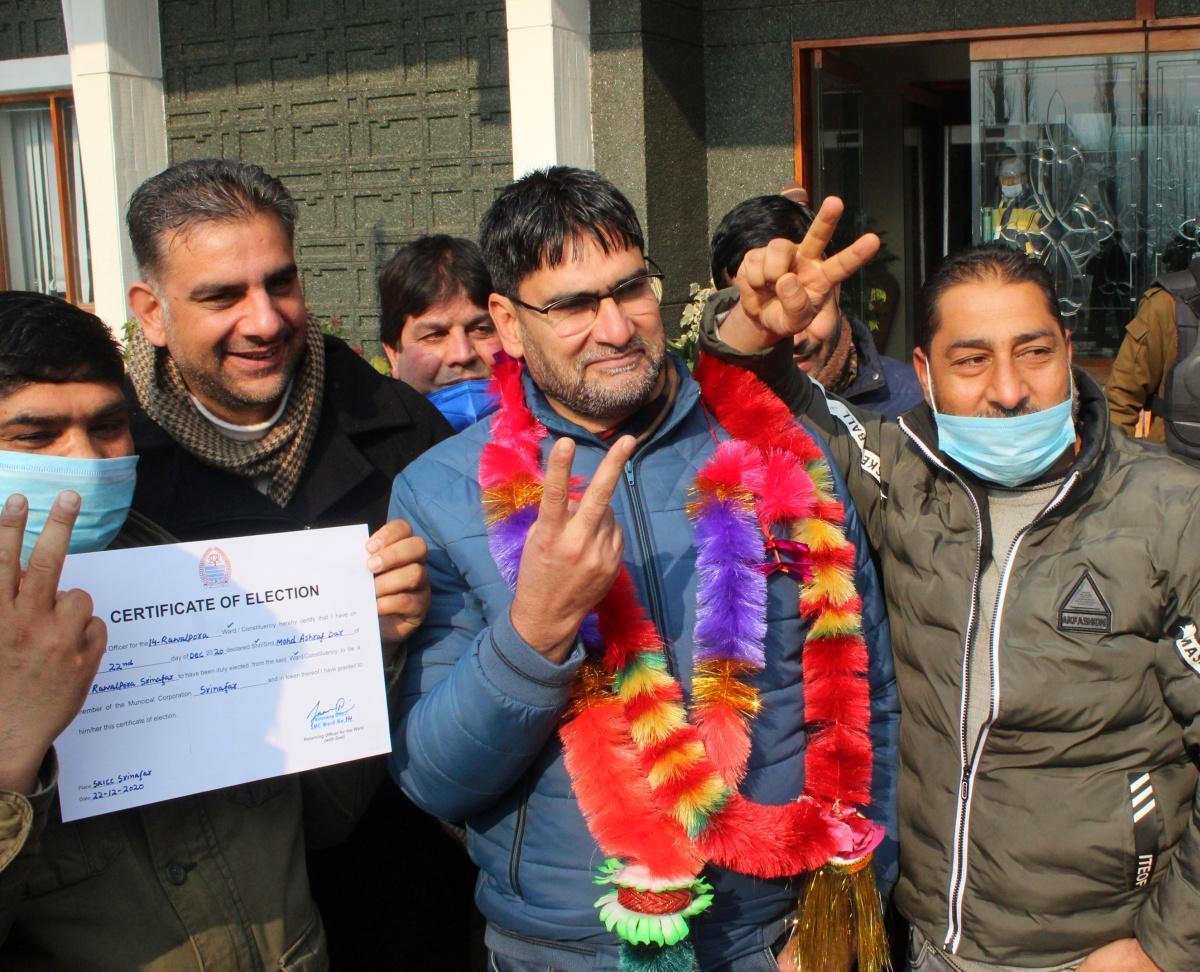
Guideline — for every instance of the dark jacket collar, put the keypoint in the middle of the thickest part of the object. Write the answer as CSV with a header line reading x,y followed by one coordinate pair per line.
x,y
360,409
870,375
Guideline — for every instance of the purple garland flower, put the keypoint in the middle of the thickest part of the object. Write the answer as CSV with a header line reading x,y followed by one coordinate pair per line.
x,y
731,595
506,540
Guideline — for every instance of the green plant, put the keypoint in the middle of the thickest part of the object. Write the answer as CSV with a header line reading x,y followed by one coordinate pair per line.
x,y
127,331
687,345
336,327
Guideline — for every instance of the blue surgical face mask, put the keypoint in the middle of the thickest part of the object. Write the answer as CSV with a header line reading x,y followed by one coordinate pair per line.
x,y
465,403
105,488
1007,451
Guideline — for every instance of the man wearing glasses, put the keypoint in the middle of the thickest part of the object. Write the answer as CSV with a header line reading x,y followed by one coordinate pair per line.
x,y
559,697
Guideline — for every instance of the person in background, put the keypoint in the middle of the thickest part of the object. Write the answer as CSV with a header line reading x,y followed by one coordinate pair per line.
x,y
836,349
435,327
1144,375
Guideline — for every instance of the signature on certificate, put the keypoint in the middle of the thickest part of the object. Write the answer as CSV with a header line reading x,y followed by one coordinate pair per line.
x,y
319,718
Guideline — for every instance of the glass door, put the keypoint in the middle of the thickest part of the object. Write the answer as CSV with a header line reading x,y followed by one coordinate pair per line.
x,y
838,156
1173,230
1060,159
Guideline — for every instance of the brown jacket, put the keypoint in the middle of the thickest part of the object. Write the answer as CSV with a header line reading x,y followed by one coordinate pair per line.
x,y
1146,357
215,882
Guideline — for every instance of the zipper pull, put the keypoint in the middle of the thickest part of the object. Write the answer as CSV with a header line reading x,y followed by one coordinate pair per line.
x,y
629,474
966,776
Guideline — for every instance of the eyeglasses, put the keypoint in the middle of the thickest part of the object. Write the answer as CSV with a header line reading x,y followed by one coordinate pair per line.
x,y
571,316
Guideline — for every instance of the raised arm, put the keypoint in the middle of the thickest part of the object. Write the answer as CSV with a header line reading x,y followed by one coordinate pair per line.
x,y
780,289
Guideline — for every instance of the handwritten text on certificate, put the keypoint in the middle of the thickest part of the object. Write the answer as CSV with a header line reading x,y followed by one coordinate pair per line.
x,y
228,661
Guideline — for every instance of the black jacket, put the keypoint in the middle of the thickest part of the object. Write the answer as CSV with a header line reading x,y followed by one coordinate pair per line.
x,y
371,427
883,384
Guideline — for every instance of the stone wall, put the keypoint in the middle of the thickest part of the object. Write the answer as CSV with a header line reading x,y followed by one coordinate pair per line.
x,y
386,119
31,28
648,123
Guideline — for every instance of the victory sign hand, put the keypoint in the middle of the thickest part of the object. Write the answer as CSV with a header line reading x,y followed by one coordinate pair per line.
x,y
572,554
50,644
783,285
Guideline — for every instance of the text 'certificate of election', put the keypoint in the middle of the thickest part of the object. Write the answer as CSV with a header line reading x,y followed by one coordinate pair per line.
x,y
228,661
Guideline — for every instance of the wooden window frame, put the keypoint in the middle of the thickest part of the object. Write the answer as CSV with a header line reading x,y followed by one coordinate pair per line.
x,y
57,101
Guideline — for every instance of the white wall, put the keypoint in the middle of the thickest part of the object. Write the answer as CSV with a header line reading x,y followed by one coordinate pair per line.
x,y
116,73
549,83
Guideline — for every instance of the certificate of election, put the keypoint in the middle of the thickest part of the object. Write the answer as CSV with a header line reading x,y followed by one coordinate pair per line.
x,y
228,661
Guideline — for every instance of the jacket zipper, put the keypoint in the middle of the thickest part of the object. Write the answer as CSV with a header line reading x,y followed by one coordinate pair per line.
x,y
954,931
514,861
642,530
958,871
958,863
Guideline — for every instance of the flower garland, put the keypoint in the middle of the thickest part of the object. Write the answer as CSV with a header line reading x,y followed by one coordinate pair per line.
x,y
659,790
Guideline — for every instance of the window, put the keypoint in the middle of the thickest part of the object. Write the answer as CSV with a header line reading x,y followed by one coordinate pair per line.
x,y
44,239
1102,159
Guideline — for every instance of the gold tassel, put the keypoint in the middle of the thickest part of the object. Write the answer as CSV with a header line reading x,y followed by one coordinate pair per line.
x,y
839,917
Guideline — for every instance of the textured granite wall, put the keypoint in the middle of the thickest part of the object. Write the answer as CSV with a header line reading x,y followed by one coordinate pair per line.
x,y
386,119
619,97
1178,8
648,127
31,28
676,163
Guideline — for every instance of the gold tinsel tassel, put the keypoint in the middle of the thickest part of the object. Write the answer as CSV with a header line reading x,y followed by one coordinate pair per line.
x,y
840,918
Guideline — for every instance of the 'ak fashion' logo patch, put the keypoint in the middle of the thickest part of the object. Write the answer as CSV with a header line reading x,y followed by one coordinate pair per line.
x,y
1085,608
1186,643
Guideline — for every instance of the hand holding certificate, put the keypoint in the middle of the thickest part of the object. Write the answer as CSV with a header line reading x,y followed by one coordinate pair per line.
x,y
228,661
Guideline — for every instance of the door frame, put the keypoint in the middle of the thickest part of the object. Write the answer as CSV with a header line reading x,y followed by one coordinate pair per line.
x,y
1144,31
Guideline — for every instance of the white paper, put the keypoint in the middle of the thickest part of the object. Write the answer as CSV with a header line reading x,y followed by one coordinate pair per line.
x,y
228,661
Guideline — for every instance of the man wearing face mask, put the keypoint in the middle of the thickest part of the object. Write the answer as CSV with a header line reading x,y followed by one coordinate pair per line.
x,y
1016,210
215,880
1043,615
435,327
835,349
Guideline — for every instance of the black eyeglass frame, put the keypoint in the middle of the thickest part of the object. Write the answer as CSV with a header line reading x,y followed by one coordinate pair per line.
x,y
653,272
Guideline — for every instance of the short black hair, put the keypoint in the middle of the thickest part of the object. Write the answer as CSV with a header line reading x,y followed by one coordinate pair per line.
x,y
532,220
752,224
424,272
199,191
996,262
45,339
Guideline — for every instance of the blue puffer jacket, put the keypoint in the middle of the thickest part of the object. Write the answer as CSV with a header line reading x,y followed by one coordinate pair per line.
x,y
477,735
